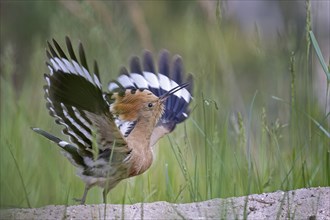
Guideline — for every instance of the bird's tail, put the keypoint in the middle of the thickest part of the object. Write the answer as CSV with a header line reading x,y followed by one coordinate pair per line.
x,y
70,151
51,137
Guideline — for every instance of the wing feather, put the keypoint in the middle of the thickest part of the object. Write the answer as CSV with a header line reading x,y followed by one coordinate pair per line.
x,y
170,74
75,99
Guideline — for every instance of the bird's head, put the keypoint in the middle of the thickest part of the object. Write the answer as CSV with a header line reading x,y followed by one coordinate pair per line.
x,y
138,104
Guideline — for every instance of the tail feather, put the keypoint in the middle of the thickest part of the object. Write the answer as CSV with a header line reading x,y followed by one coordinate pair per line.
x,y
70,151
49,136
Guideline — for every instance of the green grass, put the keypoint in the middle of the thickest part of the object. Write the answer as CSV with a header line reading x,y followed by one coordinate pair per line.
x,y
255,124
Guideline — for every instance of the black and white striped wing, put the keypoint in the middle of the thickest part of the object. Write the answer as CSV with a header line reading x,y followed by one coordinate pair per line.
x,y
170,74
74,97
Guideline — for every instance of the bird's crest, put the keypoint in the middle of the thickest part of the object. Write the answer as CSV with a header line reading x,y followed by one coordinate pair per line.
x,y
127,106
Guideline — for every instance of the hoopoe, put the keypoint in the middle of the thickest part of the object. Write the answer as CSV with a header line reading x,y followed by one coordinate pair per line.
x,y
112,133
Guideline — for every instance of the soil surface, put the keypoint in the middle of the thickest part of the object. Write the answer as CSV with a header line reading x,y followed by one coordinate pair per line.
x,y
310,203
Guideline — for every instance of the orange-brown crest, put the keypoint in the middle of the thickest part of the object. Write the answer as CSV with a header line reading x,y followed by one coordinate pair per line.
x,y
134,104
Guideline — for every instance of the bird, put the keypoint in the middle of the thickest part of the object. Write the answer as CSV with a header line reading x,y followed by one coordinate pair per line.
x,y
112,133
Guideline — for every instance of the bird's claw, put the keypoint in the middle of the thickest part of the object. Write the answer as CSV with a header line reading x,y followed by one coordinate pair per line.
x,y
81,201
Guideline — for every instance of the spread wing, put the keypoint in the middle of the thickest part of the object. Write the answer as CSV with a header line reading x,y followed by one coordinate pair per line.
x,y
75,99
170,75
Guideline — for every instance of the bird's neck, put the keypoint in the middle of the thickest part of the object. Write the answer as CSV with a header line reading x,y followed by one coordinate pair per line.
x,y
139,142
142,132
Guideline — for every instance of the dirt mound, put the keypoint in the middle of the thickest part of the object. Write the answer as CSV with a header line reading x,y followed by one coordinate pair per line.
x,y
311,203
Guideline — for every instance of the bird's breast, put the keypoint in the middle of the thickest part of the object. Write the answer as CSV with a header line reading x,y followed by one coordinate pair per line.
x,y
141,160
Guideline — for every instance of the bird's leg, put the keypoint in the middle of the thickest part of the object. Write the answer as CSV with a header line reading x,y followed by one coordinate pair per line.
x,y
83,199
105,193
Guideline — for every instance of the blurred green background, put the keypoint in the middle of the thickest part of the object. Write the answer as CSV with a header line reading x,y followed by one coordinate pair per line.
x,y
260,114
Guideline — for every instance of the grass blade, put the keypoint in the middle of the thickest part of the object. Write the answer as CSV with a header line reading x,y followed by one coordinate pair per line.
x,y
319,55
20,175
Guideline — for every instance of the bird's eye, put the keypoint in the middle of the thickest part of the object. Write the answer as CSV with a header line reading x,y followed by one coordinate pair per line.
x,y
150,104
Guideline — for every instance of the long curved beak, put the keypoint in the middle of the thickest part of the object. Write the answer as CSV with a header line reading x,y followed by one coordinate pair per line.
x,y
172,91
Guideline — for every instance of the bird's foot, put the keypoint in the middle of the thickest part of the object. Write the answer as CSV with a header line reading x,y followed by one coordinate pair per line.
x,y
81,201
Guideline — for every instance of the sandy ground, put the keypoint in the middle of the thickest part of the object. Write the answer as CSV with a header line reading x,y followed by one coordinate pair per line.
x,y
311,203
